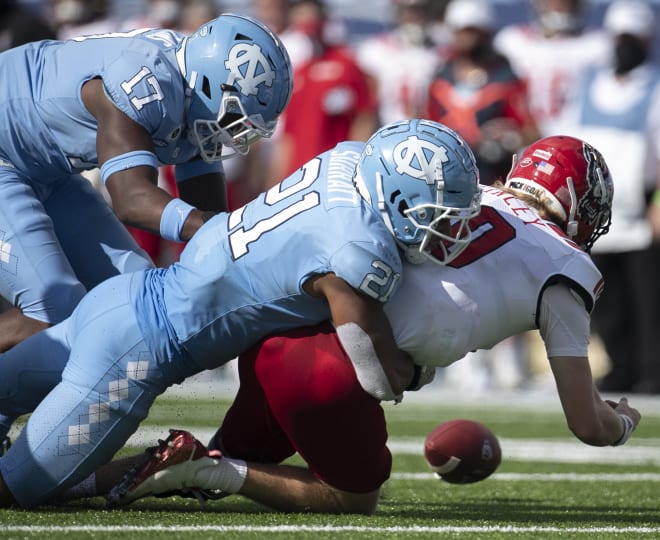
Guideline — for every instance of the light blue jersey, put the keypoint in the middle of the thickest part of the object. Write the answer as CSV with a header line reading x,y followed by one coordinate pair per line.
x,y
241,275
239,279
46,131
58,237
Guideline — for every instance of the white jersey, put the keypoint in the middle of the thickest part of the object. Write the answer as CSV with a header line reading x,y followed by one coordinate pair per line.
x,y
493,289
402,72
551,66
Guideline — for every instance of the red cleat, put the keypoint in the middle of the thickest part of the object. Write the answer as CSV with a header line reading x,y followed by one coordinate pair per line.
x,y
166,471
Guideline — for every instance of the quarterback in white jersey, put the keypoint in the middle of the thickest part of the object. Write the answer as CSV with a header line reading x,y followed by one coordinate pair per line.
x,y
495,288
527,267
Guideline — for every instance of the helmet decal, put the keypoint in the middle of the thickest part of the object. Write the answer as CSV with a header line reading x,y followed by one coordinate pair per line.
x,y
248,68
570,178
419,158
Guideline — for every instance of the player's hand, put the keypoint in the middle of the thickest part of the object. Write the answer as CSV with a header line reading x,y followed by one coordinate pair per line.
x,y
622,407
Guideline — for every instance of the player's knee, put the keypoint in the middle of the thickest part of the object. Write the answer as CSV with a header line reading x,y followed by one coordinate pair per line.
x,y
54,303
358,503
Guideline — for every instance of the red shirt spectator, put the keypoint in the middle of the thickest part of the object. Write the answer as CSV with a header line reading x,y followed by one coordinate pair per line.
x,y
332,100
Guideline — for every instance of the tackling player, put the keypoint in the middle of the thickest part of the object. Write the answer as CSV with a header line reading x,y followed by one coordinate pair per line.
x,y
325,243
527,267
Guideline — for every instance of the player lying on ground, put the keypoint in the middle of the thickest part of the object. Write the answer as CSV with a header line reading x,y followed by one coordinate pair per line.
x,y
298,391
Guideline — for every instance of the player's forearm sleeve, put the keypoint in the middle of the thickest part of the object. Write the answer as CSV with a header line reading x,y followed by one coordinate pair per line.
x,y
369,371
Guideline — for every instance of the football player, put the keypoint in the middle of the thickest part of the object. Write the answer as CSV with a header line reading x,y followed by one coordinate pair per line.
x,y
297,391
325,243
127,103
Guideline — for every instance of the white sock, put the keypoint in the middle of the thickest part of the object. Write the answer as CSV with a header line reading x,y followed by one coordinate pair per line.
x,y
226,474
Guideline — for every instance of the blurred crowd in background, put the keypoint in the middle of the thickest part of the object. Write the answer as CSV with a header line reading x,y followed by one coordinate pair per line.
x,y
501,73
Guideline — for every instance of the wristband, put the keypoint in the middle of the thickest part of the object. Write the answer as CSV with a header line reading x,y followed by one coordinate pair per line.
x,y
628,428
136,158
172,219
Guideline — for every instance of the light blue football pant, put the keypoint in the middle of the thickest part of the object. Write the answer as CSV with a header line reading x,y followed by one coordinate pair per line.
x,y
107,387
56,242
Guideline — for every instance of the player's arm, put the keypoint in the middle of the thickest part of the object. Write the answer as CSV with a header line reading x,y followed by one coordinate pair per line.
x,y
136,198
365,333
564,325
591,419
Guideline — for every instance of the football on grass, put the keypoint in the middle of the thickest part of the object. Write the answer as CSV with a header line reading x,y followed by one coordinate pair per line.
x,y
462,451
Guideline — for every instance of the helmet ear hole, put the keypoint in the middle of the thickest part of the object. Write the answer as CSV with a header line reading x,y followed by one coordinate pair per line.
x,y
206,87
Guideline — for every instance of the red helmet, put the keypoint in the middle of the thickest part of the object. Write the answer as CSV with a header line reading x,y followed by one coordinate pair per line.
x,y
571,178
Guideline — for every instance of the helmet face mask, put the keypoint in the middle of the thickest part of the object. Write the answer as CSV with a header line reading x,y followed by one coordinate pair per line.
x,y
239,80
447,235
570,178
422,178
234,129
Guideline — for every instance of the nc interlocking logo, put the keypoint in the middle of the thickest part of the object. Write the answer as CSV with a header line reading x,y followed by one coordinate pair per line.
x,y
419,159
248,68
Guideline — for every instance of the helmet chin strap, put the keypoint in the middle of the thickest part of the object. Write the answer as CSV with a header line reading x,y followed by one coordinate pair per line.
x,y
571,224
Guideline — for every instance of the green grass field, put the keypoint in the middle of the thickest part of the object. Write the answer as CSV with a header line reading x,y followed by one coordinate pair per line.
x,y
549,484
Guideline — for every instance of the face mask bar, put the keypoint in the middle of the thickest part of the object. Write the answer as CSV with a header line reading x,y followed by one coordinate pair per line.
x,y
604,218
439,246
233,129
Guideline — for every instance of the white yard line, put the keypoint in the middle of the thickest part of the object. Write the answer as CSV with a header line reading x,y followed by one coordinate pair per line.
x,y
326,528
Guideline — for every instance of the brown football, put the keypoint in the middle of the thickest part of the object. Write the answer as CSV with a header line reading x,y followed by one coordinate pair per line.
x,y
462,451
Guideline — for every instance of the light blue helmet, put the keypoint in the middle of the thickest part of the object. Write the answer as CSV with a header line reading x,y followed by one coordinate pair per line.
x,y
422,178
239,79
